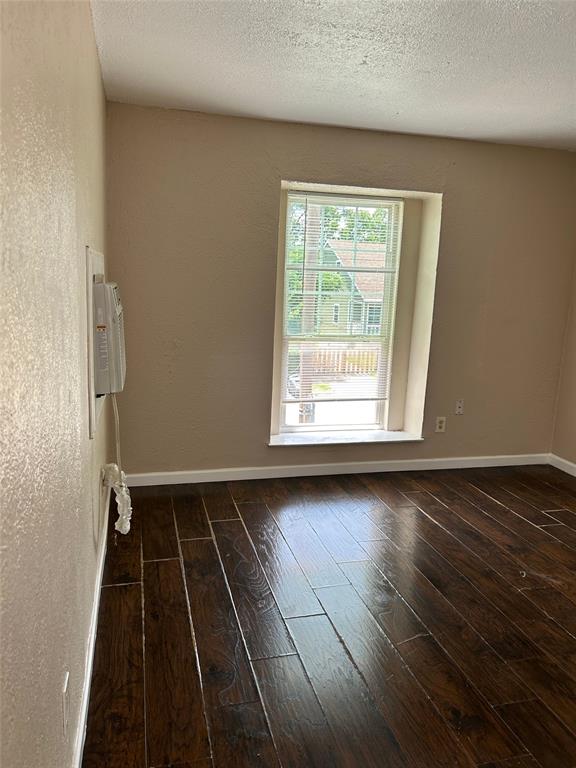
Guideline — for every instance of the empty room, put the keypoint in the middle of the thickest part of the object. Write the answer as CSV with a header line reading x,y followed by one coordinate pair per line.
x,y
288,384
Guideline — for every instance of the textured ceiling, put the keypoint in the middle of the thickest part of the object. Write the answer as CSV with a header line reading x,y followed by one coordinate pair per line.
x,y
498,70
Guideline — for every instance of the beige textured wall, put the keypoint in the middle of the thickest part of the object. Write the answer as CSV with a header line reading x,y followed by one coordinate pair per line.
x,y
52,206
193,213
565,428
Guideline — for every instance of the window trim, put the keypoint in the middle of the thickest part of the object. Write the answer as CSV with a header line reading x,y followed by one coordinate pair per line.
x,y
420,239
343,437
278,425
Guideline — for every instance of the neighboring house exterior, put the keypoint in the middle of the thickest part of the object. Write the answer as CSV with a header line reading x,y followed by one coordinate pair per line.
x,y
355,306
335,303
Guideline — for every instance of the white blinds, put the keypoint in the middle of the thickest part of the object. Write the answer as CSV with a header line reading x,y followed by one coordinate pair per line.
x,y
341,274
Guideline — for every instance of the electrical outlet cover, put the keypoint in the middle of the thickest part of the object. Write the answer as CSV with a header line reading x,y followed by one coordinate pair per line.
x,y
440,423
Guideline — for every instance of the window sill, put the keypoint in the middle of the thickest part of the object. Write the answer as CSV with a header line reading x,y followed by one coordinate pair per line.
x,y
343,438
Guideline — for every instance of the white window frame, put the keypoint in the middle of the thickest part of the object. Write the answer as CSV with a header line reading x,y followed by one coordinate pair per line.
x,y
382,406
403,420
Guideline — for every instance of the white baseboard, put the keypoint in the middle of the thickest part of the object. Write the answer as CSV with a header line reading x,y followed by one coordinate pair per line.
x,y
90,645
566,466
300,470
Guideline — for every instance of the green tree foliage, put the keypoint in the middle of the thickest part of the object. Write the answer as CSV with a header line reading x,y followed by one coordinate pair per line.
x,y
328,282
365,225
332,281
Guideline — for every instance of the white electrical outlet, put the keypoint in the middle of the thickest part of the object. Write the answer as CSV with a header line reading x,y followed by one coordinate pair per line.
x,y
65,703
459,409
440,424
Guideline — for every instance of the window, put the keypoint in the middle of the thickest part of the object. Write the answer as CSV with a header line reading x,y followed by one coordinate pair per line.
x,y
339,286
373,319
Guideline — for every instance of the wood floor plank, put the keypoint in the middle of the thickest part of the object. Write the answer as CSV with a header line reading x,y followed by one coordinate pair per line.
x,y
314,494
284,500
402,702
260,620
240,737
267,491
512,570
225,669
563,533
478,727
535,536
483,667
346,508
403,482
552,686
291,589
246,490
543,734
310,493
337,539
190,514
123,564
385,489
565,516
513,605
311,554
359,494
218,501
358,524
509,492
175,724
550,475
204,763
535,561
378,512
542,494
115,736
517,762
159,541
394,615
301,732
450,639
559,644
139,492
555,605
479,611
349,707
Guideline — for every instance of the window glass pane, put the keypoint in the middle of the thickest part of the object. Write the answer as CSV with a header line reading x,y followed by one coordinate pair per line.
x,y
328,370
323,414
311,298
339,301
293,302
362,235
295,232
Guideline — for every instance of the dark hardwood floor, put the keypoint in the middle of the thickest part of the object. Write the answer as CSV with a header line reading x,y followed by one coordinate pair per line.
x,y
423,619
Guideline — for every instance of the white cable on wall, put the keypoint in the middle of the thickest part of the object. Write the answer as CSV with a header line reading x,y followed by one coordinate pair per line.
x,y
117,432
116,479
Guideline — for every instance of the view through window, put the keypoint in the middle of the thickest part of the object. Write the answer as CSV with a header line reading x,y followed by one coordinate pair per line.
x,y
340,282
